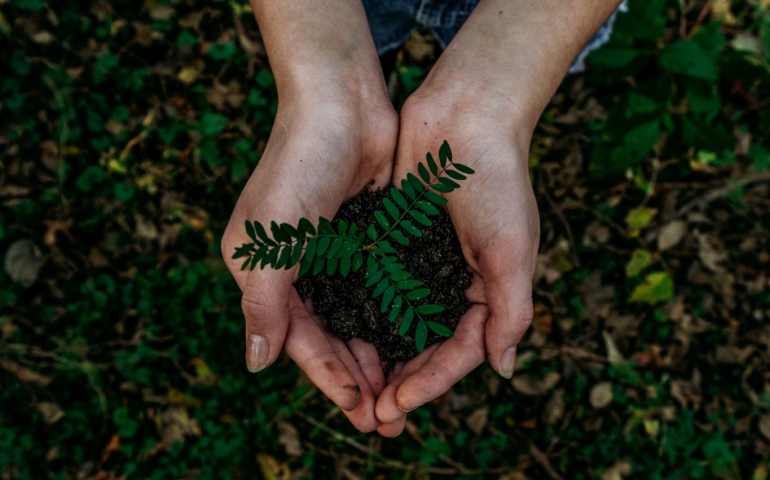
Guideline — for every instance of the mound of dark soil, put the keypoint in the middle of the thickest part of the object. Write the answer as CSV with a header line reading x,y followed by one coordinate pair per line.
x,y
435,259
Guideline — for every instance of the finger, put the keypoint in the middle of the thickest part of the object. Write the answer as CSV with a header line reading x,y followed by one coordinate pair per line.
x,y
369,362
387,408
509,296
392,430
307,345
265,305
454,359
476,293
362,417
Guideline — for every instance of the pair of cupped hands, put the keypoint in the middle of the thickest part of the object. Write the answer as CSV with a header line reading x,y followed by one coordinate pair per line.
x,y
329,144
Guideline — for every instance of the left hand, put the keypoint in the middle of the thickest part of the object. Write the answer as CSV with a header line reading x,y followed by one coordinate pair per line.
x,y
496,218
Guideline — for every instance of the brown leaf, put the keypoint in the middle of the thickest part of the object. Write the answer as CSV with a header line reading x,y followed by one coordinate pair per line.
x,y
764,425
51,412
616,472
289,438
601,395
671,234
712,252
23,261
24,374
43,37
613,354
731,354
554,409
526,385
55,226
113,446
478,420
271,468
177,424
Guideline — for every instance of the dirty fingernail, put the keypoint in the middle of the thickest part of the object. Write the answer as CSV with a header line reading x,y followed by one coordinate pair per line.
x,y
407,411
507,362
257,353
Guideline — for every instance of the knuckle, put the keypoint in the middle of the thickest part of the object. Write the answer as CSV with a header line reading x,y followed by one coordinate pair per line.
x,y
255,304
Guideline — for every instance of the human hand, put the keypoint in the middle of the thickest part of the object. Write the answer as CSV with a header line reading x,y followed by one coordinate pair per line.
x,y
322,150
495,215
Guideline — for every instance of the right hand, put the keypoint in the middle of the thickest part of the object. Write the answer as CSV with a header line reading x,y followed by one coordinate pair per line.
x,y
325,147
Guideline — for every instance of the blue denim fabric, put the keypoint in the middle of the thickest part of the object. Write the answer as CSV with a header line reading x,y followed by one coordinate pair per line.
x,y
392,21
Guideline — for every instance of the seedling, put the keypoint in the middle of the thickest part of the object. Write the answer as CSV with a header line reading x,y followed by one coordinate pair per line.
x,y
344,248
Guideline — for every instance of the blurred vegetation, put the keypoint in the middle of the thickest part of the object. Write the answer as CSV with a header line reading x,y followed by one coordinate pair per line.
x,y
127,134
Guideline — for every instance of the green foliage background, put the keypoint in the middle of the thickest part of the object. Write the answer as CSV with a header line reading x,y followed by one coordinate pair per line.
x,y
127,134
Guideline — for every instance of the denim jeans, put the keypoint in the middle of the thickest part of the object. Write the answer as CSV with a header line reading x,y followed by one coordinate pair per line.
x,y
392,21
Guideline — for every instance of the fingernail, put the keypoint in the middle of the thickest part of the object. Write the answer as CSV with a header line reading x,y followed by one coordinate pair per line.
x,y
407,411
507,362
257,353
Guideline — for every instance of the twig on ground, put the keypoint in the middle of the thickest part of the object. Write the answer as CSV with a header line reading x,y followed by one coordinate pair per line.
x,y
703,201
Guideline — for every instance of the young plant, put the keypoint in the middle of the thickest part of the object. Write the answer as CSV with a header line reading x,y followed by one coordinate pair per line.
x,y
344,248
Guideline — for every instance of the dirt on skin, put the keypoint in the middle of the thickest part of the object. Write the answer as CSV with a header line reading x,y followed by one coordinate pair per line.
x,y
347,304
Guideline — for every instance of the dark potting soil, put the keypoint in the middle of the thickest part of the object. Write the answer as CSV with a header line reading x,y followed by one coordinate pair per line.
x,y
436,259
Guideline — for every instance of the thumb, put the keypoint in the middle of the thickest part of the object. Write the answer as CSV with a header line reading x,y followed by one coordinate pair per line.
x,y
265,305
508,288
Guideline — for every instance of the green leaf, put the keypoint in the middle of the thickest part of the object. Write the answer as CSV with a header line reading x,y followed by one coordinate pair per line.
x,y
271,257
310,249
323,244
342,228
263,234
345,265
448,182
284,257
394,267
408,189
325,226
371,232
640,260
409,284
250,231
399,237
420,218
688,58
246,263
336,244
423,172
391,208
409,227
444,153
384,223
376,277
435,198
305,266
420,336
399,198
352,231
371,265
261,251
331,266
380,288
289,230
254,261
440,187
464,169
406,322
358,261
613,57
388,260
399,276
415,182
455,175
429,309
296,254
396,308
428,208
432,164
278,234
306,226
418,294
386,247
386,298
318,266
243,250
657,287
440,329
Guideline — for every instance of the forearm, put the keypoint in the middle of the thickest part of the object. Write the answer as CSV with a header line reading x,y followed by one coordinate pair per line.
x,y
515,53
319,47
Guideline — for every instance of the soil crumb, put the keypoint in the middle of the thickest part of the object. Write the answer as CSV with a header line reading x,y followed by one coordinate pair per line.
x,y
347,304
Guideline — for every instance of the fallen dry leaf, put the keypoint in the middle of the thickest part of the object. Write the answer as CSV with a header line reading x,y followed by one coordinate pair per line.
x,y
671,234
271,468
23,261
177,424
55,226
24,374
51,412
616,472
764,425
554,409
478,420
112,446
601,395
526,385
289,438
613,354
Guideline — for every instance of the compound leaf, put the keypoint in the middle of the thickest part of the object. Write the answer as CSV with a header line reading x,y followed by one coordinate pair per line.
x,y
418,294
408,190
448,182
435,198
358,261
463,168
399,237
384,223
440,329
396,308
423,172
432,164
331,266
391,208
444,153
406,322
455,175
409,227
386,298
306,226
420,218
345,265
429,309
420,336
250,231
380,288
371,232
415,182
